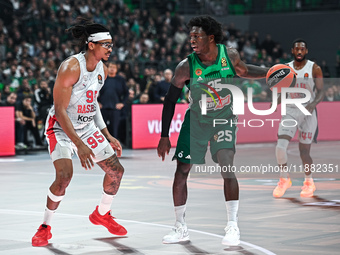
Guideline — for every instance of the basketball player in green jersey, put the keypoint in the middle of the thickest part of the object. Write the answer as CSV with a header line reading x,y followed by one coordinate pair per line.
x,y
205,72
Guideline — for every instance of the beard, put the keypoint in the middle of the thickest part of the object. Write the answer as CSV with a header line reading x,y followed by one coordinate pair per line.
x,y
300,60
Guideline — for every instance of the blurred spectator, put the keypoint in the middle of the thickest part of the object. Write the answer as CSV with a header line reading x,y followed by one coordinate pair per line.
x,y
11,77
285,58
163,86
329,95
5,92
257,89
44,100
268,44
232,43
26,116
152,88
30,77
325,69
112,98
143,99
180,36
132,85
277,51
249,51
24,90
336,89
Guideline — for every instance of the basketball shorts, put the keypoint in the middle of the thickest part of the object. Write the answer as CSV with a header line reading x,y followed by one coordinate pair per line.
x,y
295,120
61,146
195,137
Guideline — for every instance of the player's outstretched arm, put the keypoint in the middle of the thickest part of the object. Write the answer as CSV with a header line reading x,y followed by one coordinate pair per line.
x,y
244,70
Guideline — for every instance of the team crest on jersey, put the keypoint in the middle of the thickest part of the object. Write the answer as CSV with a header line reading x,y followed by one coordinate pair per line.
x,y
224,62
198,72
100,79
306,76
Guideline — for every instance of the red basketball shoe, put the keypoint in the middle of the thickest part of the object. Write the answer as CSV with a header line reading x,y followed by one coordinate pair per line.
x,y
108,222
42,236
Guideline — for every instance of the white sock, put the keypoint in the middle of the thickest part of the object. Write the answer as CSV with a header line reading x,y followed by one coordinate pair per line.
x,y
232,209
105,203
48,216
180,213
308,177
284,174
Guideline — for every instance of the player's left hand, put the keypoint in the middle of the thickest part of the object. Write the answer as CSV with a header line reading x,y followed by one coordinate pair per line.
x,y
310,107
116,145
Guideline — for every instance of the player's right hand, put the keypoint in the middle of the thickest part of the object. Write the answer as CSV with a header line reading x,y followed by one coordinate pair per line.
x,y
164,146
86,156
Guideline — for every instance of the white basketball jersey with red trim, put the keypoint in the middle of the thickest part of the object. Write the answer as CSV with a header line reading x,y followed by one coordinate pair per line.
x,y
83,101
304,79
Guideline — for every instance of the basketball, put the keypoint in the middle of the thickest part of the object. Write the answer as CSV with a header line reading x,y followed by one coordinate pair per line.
x,y
280,76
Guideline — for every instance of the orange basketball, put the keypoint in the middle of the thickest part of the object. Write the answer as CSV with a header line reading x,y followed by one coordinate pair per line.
x,y
280,76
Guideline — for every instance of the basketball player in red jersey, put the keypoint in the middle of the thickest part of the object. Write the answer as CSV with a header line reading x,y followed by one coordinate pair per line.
x,y
75,124
310,77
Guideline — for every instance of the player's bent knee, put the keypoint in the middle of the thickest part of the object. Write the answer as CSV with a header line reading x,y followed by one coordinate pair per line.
x,y
182,169
63,179
281,151
228,174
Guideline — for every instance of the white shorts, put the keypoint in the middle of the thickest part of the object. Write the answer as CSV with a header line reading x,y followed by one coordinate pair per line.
x,y
61,146
295,119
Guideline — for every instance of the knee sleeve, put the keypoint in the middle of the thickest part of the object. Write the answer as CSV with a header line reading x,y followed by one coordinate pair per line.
x,y
281,151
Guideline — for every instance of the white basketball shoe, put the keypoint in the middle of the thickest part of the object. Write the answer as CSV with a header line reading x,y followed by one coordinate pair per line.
x,y
178,234
232,235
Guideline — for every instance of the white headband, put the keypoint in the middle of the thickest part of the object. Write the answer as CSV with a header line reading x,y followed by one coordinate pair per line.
x,y
99,36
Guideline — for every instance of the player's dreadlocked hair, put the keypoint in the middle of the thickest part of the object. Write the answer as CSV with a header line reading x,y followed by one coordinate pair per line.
x,y
209,25
83,30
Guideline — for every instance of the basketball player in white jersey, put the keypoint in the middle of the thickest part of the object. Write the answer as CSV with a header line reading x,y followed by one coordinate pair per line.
x,y
75,124
310,77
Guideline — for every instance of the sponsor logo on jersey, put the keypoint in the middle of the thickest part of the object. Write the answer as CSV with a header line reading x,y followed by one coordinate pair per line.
x,y
200,79
100,79
224,62
86,108
198,72
188,157
213,105
85,118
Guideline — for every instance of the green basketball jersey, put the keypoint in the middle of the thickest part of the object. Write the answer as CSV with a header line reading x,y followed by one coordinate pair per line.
x,y
209,81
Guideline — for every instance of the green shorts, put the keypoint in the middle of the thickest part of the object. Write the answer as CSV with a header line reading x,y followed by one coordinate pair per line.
x,y
194,139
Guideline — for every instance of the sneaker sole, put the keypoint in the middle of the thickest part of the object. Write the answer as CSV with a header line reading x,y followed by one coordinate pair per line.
x,y
232,243
179,241
307,195
40,244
